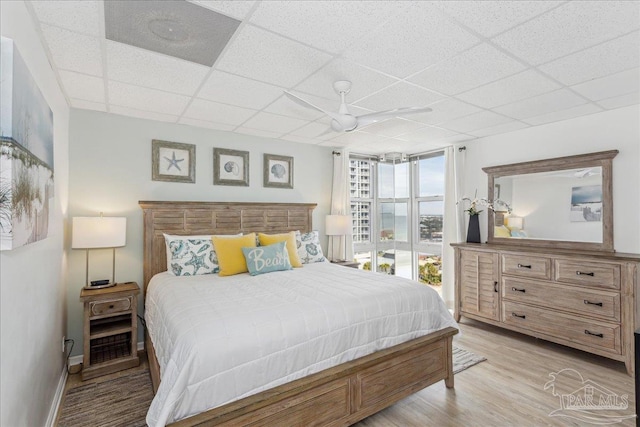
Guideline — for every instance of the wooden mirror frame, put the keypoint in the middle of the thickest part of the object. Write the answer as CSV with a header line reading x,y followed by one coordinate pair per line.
x,y
603,159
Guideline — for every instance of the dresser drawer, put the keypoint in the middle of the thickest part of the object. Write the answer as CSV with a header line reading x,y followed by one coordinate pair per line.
x,y
590,333
591,274
527,266
100,308
589,302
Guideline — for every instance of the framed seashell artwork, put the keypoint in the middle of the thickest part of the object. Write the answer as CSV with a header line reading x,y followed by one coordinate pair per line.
x,y
278,171
230,167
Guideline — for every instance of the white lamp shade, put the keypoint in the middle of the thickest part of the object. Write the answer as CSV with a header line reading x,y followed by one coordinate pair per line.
x,y
515,222
98,232
338,225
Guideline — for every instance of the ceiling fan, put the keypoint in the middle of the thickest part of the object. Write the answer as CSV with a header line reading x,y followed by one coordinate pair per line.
x,y
343,121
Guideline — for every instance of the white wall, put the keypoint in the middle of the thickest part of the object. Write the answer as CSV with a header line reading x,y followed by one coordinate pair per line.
x,y
617,129
110,171
32,277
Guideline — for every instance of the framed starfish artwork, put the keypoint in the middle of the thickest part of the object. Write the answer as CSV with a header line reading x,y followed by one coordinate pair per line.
x,y
230,167
173,161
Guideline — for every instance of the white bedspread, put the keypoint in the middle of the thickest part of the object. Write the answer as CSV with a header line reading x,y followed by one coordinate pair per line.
x,y
219,339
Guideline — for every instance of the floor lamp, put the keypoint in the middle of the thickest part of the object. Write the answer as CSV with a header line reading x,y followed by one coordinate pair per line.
x,y
99,233
337,225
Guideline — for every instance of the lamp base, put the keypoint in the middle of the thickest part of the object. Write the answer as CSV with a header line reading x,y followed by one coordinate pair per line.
x,y
108,285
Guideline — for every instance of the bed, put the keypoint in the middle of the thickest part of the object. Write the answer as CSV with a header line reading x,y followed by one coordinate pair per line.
x,y
341,387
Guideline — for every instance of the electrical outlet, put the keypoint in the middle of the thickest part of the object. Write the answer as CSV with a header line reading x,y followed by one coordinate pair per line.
x,y
64,342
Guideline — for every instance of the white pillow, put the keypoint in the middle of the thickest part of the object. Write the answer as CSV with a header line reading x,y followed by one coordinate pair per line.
x,y
191,255
308,246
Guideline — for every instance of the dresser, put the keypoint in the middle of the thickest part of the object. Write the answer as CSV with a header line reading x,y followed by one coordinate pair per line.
x,y
584,300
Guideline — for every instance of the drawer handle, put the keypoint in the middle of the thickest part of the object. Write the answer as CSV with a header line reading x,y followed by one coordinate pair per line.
x,y
599,304
495,286
521,316
111,306
519,290
586,331
582,273
524,266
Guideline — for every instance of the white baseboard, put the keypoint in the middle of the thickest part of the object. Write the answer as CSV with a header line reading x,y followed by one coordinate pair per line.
x,y
57,399
76,360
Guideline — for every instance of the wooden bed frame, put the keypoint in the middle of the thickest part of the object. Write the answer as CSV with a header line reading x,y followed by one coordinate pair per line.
x,y
338,396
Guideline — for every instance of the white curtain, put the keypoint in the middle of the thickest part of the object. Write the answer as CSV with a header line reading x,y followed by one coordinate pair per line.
x,y
453,223
341,247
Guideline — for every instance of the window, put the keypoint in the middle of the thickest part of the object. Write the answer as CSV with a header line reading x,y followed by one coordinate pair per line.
x,y
397,209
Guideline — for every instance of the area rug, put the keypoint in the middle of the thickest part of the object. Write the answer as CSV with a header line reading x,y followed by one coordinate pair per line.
x,y
124,401
463,359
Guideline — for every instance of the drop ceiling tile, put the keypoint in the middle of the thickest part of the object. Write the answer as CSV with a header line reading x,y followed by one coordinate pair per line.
x,y
235,90
573,26
238,9
620,101
73,51
144,99
301,139
314,130
132,112
82,86
267,57
481,120
477,66
358,137
145,68
607,58
541,104
329,26
399,95
393,127
258,132
81,16
87,105
201,109
493,17
426,134
514,88
205,124
496,130
364,81
274,123
610,86
411,40
569,113
445,110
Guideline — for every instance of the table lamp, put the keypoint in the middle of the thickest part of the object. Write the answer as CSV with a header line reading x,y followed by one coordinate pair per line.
x,y
99,233
337,225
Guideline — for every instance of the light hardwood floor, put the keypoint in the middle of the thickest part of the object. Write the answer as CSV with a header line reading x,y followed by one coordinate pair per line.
x,y
505,390
508,388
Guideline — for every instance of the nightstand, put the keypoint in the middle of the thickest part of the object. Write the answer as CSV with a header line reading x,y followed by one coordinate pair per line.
x,y
352,264
110,329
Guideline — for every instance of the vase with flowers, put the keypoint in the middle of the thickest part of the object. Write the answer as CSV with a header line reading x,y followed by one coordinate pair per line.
x,y
473,231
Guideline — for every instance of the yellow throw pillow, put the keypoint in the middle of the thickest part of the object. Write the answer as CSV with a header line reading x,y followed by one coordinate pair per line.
x,y
290,238
501,231
229,250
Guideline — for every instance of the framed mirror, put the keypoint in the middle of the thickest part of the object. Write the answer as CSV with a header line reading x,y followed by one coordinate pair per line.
x,y
563,203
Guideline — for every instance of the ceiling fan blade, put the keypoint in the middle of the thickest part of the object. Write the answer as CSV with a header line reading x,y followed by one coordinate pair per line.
x,y
307,104
374,117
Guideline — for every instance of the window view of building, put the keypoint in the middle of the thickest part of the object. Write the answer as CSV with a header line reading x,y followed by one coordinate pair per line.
x,y
397,208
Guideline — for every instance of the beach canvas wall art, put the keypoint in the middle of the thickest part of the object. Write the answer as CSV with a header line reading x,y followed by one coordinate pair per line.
x,y
26,153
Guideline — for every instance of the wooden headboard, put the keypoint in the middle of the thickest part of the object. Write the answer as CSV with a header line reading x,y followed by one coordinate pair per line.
x,y
192,218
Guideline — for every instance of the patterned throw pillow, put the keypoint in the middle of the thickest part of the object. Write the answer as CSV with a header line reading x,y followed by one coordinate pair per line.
x,y
309,249
190,255
265,259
